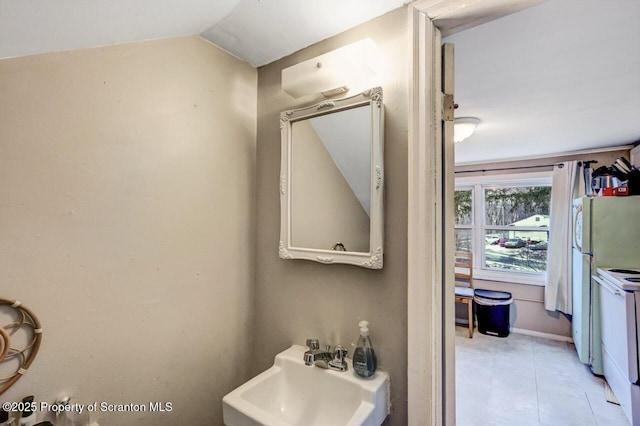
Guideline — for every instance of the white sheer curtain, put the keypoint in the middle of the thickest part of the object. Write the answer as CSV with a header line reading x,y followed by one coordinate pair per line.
x,y
558,292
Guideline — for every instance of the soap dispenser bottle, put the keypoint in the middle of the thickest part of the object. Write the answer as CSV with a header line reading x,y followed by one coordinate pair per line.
x,y
364,357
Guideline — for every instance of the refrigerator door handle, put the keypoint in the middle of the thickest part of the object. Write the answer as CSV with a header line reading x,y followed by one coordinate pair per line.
x,y
577,228
609,287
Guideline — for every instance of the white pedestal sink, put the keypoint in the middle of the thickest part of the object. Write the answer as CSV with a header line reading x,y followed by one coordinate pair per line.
x,y
291,393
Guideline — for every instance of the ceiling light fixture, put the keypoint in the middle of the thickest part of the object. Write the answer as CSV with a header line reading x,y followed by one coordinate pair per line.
x,y
464,127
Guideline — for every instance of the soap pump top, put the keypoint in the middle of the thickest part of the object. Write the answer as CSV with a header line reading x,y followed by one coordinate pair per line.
x,y
364,357
364,328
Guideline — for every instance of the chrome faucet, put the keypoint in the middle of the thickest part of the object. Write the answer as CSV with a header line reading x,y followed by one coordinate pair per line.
x,y
325,358
315,355
339,361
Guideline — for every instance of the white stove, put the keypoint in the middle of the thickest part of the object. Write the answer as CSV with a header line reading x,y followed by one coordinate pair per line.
x,y
625,278
619,293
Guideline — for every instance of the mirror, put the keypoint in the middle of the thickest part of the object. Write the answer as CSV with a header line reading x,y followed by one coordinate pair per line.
x,y
331,181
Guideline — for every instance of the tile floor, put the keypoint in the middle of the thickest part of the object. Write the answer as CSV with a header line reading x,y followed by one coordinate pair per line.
x,y
524,380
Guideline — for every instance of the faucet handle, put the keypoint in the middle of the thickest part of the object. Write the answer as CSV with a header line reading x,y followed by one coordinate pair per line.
x,y
340,353
313,344
338,362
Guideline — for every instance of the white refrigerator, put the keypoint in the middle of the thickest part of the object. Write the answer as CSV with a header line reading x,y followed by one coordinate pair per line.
x,y
606,234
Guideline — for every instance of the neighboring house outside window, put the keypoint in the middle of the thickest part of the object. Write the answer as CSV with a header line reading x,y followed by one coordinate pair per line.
x,y
504,222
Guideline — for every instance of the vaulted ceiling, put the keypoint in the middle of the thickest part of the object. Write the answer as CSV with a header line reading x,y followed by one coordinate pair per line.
x,y
256,31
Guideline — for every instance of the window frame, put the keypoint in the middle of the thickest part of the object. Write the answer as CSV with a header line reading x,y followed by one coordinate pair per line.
x,y
478,185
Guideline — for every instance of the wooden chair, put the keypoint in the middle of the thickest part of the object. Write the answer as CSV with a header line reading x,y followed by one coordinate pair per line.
x,y
464,283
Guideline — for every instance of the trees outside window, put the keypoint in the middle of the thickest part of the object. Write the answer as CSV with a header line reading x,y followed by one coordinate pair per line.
x,y
505,224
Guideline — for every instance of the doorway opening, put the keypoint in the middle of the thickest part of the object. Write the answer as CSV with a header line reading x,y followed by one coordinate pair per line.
x,y
436,340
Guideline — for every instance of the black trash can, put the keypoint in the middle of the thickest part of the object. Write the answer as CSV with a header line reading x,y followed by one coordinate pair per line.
x,y
492,310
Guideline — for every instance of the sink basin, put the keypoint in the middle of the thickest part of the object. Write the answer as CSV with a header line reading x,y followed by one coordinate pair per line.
x,y
291,393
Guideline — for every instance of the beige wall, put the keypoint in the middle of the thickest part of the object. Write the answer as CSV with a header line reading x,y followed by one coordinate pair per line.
x,y
297,299
126,223
528,312
635,156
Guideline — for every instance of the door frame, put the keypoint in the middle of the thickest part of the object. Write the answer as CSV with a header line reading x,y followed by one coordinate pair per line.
x,y
430,305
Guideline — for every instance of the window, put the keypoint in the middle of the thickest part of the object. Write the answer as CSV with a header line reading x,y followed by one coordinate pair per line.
x,y
504,221
464,217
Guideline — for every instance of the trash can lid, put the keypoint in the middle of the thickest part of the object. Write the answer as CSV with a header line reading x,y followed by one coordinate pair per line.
x,y
492,295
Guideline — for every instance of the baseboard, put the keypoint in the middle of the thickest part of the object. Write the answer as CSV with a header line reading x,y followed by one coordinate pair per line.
x,y
609,395
543,335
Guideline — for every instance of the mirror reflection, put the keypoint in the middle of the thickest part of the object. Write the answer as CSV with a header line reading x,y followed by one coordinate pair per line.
x,y
331,181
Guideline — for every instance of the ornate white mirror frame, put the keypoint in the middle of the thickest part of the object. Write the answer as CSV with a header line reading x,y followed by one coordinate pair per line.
x,y
368,259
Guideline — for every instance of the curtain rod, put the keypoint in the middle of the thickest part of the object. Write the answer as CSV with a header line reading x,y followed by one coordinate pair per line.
x,y
522,167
